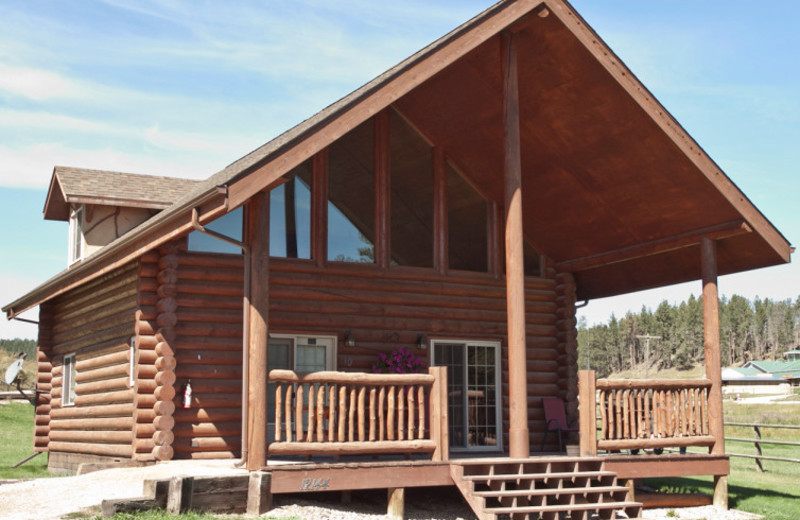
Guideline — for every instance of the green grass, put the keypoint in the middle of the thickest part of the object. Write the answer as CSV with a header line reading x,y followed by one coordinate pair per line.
x,y
16,443
774,493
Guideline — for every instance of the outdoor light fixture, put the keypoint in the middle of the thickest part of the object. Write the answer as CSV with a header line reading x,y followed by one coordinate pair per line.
x,y
349,339
422,342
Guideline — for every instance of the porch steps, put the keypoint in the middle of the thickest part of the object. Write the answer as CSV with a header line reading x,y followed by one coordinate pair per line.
x,y
550,488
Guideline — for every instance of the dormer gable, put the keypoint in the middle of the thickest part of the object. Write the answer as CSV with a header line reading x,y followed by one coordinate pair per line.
x,y
103,205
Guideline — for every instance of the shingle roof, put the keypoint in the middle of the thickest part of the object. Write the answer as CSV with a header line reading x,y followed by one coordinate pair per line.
x,y
83,186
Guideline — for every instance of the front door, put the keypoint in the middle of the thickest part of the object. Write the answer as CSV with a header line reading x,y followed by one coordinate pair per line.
x,y
473,389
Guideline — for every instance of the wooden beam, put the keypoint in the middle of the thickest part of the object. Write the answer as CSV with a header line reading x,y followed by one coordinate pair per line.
x,y
495,239
519,443
383,195
588,413
440,238
708,251
655,247
258,241
319,208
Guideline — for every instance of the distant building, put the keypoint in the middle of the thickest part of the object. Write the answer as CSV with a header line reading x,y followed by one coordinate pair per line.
x,y
763,377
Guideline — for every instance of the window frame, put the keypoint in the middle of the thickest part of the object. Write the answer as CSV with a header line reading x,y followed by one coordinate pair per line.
x,y
77,243
330,361
69,372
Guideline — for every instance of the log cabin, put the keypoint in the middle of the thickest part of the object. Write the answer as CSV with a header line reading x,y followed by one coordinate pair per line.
x,y
455,208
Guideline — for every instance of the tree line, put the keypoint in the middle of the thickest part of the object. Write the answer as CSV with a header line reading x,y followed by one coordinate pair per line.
x,y
749,330
17,345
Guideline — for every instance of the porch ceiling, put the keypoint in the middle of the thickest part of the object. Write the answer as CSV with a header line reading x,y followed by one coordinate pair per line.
x,y
613,188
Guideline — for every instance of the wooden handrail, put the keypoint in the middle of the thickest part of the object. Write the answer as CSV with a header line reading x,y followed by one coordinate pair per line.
x,y
639,414
653,384
338,412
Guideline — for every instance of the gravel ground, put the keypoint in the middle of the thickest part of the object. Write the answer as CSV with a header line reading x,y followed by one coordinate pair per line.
x,y
52,498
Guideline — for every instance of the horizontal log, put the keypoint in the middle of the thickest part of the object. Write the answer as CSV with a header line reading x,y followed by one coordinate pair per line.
x,y
115,450
88,436
102,373
206,443
654,384
164,393
208,343
165,378
210,357
664,442
146,371
211,315
95,332
163,422
165,349
332,448
44,367
164,407
163,437
163,452
93,423
145,431
352,378
145,327
105,385
97,313
148,356
212,272
167,319
103,339
120,357
144,445
41,431
108,410
219,330
166,363
121,396
210,288
215,415
187,301
194,371
217,429
216,400
199,259
90,295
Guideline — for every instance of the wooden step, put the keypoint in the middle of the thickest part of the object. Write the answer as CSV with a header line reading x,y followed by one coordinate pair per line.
x,y
551,491
540,476
562,508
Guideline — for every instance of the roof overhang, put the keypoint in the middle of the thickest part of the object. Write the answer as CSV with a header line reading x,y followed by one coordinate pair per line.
x,y
614,189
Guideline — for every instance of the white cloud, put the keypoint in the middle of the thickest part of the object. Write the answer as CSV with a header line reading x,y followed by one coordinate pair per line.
x,y
37,84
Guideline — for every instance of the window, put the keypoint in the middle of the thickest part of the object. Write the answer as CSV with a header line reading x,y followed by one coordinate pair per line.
x,y
473,389
229,225
303,354
290,215
68,381
76,234
132,363
351,196
412,195
467,221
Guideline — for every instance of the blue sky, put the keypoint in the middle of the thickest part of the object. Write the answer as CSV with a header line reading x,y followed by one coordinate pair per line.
x,y
184,88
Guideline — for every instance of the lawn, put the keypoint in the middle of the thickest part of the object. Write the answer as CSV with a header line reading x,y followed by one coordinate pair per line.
x,y
16,443
775,493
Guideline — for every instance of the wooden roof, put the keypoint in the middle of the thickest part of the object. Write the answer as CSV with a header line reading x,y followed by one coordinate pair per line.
x,y
83,186
614,189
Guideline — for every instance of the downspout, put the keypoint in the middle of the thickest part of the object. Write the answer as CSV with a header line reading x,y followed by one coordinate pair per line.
x,y
245,322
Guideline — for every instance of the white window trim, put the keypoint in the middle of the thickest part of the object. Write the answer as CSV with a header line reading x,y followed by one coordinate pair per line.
x,y
68,373
77,243
498,388
132,363
330,362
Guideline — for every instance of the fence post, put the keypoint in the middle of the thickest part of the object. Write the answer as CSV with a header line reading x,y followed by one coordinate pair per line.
x,y
758,448
587,412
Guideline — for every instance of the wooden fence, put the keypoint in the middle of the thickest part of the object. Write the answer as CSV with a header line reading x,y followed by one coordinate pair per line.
x,y
643,414
330,413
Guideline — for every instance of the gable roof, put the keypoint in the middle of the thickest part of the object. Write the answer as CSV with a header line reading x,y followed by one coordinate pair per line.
x,y
614,190
84,186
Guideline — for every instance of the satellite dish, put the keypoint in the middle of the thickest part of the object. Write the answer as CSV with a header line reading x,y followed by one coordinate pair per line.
x,y
13,371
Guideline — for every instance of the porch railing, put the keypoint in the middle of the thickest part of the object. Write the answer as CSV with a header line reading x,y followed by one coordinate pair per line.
x,y
643,414
340,413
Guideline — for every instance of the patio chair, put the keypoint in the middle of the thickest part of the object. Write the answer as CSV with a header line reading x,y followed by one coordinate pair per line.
x,y
555,416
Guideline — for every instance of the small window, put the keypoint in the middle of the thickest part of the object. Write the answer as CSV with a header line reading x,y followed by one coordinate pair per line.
x,y
68,381
229,225
76,234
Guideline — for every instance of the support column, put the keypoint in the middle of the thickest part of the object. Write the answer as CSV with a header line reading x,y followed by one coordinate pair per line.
x,y
258,241
519,443
708,255
383,197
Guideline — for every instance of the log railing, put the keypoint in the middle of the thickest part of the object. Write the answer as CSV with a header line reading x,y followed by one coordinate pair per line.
x,y
333,413
643,414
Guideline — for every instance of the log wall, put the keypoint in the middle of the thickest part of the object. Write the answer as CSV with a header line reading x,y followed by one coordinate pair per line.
x,y
96,322
567,346
44,377
387,309
208,351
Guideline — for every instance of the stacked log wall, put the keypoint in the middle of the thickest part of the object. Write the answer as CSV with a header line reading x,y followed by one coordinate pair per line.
x,y
208,351
96,323
388,309
567,344
44,377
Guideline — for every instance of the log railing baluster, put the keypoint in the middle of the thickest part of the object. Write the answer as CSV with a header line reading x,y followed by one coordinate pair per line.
x,y
373,396
278,407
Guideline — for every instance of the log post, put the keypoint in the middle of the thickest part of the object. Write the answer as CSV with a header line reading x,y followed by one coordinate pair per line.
x,y
258,241
519,444
587,413
383,197
708,259
259,496
396,506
